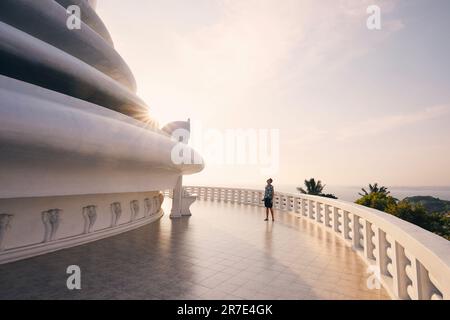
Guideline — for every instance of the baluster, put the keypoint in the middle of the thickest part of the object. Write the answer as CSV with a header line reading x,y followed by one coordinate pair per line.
x,y
326,213
346,225
412,271
435,293
303,207
297,202
421,286
397,269
336,221
369,245
318,212
310,209
381,256
356,233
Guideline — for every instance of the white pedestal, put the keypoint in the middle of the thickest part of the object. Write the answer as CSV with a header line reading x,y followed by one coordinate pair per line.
x,y
181,202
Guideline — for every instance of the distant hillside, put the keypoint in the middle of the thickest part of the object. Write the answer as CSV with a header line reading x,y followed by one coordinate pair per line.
x,y
431,204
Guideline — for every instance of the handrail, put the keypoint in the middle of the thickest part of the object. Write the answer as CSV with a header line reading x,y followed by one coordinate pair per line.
x,y
412,263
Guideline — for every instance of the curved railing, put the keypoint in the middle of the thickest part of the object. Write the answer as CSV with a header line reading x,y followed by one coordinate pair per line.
x,y
411,262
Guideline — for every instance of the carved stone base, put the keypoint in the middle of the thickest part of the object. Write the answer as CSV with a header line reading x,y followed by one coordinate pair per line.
x,y
181,201
39,228
186,202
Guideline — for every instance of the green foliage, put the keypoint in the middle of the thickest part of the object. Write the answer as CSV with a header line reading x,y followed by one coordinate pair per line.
x,y
315,188
374,189
379,201
312,187
415,213
431,204
412,213
328,195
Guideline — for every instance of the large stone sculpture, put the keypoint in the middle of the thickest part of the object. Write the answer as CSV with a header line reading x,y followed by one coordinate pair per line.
x,y
73,132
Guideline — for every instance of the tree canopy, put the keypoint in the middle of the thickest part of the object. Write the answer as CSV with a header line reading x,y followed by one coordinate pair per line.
x,y
416,213
315,188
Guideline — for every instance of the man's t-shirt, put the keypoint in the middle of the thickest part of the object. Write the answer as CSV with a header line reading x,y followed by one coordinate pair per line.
x,y
268,192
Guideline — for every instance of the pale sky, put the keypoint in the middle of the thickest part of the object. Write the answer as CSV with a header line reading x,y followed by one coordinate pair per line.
x,y
352,105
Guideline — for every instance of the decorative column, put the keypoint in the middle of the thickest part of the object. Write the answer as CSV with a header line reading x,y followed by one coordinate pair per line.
x,y
176,200
180,131
181,201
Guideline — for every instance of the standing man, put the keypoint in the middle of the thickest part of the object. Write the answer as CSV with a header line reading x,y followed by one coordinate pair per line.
x,y
268,199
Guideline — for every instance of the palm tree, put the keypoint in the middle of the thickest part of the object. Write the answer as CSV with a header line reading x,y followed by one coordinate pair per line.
x,y
312,187
374,189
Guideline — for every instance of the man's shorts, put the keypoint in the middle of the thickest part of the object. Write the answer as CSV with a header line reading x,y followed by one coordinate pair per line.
x,y
268,203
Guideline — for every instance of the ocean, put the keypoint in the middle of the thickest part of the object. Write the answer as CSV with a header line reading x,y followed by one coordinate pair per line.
x,y
349,193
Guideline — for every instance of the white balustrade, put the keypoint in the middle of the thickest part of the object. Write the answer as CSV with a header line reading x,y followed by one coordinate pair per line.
x,y
413,263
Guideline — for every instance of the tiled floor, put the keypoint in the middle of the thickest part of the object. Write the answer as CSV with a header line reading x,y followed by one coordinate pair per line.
x,y
224,251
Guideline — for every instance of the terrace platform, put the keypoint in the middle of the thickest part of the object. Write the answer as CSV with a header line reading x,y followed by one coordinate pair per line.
x,y
223,251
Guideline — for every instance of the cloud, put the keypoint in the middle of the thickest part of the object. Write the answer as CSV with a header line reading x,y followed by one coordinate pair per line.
x,y
335,33
247,45
380,125
255,41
